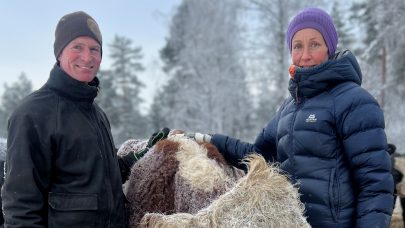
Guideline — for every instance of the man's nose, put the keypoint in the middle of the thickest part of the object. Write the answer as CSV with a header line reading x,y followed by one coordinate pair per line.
x,y
86,55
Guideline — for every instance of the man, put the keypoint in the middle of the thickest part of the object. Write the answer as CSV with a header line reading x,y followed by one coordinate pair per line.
x,y
61,167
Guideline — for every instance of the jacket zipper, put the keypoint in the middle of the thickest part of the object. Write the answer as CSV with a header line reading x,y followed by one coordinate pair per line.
x,y
106,165
292,152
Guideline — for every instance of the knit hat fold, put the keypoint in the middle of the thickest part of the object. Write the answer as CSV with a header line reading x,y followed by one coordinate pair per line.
x,y
317,19
72,26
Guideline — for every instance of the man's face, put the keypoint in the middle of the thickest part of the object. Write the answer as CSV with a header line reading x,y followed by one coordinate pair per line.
x,y
81,58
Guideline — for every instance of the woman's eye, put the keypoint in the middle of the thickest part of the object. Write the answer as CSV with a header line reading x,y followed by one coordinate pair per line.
x,y
297,46
315,45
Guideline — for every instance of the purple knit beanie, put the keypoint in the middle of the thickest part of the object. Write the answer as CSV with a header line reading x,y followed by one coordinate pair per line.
x,y
317,19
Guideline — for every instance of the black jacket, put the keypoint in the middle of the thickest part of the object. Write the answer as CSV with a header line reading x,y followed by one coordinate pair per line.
x,y
61,168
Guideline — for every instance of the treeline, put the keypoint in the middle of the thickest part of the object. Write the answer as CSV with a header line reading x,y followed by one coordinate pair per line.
x,y
226,64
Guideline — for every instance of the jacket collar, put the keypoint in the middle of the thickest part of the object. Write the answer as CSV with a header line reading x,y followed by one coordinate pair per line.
x,y
68,87
308,82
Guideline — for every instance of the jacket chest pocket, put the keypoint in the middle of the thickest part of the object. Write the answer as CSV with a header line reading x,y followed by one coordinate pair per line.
x,y
72,210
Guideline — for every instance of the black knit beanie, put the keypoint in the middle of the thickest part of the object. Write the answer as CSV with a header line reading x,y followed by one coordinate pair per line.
x,y
72,26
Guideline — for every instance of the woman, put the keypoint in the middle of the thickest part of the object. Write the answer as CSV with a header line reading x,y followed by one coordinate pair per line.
x,y
328,136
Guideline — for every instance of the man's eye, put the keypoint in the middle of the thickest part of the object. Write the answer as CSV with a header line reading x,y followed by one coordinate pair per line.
x,y
77,47
95,50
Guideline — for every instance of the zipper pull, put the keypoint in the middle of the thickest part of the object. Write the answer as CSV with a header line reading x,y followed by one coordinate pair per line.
x,y
292,71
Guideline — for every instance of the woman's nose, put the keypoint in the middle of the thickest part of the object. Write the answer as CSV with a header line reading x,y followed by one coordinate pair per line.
x,y
305,53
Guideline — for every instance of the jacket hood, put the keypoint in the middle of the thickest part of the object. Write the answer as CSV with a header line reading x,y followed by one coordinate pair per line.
x,y
308,82
70,88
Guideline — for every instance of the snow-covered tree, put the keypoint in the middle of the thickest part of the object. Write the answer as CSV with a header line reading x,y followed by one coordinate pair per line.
x,y
391,32
12,96
207,90
122,87
163,106
382,59
107,97
3,124
346,39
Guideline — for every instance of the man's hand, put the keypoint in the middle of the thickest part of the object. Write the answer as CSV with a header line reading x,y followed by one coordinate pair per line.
x,y
156,137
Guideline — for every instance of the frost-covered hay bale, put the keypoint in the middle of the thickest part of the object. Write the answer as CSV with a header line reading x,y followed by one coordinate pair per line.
x,y
202,175
396,218
400,166
262,198
177,175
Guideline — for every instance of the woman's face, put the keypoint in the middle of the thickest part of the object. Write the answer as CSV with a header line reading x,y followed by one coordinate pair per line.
x,y
308,48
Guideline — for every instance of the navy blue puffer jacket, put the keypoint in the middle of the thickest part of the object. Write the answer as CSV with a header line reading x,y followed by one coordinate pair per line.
x,y
329,137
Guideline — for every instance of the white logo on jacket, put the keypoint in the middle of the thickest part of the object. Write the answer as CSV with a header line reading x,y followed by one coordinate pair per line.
x,y
311,118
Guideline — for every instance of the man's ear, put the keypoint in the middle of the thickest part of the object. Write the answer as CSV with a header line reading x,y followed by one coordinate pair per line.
x,y
58,59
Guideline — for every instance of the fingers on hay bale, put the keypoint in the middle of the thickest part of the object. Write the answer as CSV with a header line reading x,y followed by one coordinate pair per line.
x,y
263,198
132,145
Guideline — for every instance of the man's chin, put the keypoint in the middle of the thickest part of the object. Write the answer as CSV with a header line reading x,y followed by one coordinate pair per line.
x,y
88,77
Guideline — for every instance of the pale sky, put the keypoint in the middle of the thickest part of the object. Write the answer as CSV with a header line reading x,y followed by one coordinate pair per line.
x,y
27,34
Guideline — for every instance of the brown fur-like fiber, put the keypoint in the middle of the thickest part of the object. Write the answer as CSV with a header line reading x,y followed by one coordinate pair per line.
x,y
263,198
151,186
213,153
